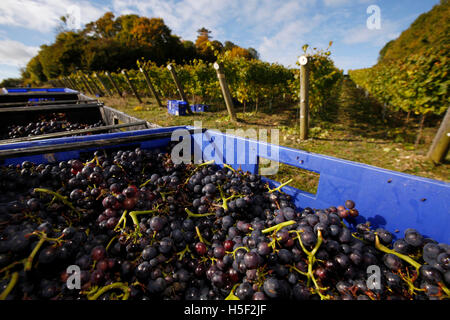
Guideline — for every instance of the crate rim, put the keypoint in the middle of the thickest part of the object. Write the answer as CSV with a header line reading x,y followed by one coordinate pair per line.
x,y
36,91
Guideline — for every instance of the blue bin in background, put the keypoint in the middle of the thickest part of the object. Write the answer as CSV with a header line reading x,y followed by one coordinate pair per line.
x,y
177,107
388,199
199,108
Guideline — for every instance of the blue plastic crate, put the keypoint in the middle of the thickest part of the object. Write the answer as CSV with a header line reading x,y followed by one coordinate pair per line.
x,y
199,108
35,90
23,95
388,199
177,107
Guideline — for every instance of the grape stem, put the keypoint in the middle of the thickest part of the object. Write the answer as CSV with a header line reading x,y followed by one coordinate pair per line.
x,y
110,242
122,218
197,230
233,253
229,167
445,289
10,286
163,194
409,281
298,270
278,227
134,214
381,247
224,200
60,197
96,161
232,296
197,215
117,285
280,186
311,260
29,260
183,252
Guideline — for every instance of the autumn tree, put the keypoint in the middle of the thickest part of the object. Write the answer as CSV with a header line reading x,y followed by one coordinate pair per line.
x,y
189,50
253,53
228,45
105,27
10,82
203,38
205,47
33,72
111,43
240,52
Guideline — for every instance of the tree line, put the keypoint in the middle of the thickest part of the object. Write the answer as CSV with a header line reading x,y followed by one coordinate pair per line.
x,y
111,43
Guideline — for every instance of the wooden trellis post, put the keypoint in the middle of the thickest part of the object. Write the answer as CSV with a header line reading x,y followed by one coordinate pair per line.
x,y
304,103
76,84
225,91
441,142
86,84
115,85
151,88
108,92
179,87
99,91
124,72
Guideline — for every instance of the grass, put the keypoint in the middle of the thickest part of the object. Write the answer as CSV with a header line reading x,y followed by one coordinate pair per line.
x,y
353,130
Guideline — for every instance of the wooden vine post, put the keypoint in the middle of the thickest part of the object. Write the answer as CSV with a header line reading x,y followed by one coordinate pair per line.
x,y
132,87
70,83
441,142
151,87
85,83
115,85
108,92
179,86
225,91
304,103
94,84
74,83
78,83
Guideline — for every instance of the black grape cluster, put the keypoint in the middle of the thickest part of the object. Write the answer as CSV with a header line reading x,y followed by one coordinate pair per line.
x,y
56,122
140,227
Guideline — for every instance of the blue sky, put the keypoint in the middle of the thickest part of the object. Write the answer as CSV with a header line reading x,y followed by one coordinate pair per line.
x,y
276,28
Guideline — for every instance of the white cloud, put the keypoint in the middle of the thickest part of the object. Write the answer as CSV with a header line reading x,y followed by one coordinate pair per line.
x,y
276,28
183,17
270,26
6,71
285,46
377,37
44,15
186,16
16,53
